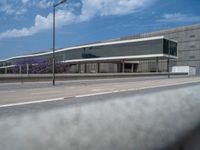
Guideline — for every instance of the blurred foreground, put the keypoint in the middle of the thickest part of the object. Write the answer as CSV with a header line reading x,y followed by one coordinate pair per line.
x,y
158,120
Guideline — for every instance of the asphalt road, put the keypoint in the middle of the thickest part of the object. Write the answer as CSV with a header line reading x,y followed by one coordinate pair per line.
x,y
119,114
31,108
20,94
141,119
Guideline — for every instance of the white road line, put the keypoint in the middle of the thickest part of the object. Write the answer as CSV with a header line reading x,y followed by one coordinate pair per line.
x,y
8,91
96,90
31,102
134,89
52,92
166,85
93,94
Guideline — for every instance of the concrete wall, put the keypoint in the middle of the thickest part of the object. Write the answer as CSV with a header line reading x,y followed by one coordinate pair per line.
x,y
188,39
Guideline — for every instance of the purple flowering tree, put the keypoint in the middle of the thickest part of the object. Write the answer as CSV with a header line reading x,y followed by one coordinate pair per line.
x,y
39,66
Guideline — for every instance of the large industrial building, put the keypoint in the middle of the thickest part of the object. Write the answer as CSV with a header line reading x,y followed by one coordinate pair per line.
x,y
148,52
188,39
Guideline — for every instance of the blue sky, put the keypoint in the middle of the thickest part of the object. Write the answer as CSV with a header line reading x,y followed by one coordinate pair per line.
x,y
26,25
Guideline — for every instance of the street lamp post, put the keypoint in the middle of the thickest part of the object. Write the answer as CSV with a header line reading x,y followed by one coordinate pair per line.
x,y
54,22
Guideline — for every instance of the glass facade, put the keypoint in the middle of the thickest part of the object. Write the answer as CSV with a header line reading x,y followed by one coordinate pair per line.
x,y
116,50
146,47
169,47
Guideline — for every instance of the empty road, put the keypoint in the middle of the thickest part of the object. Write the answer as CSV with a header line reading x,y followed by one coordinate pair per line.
x,y
124,114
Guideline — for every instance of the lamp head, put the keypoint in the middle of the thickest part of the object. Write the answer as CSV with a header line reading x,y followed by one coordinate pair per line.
x,y
63,1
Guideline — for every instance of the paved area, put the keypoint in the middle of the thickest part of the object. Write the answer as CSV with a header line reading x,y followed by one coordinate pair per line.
x,y
147,119
32,85
12,95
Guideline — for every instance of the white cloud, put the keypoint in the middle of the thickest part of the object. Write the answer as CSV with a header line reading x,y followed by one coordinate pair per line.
x,y
19,7
179,17
10,9
41,24
89,10
25,1
44,4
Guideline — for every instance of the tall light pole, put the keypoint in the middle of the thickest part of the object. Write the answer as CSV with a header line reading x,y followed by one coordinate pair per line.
x,y
54,22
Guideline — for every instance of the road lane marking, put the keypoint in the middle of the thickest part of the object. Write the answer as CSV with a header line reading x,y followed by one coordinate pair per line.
x,y
134,89
8,91
156,86
94,94
52,92
100,89
32,102
96,90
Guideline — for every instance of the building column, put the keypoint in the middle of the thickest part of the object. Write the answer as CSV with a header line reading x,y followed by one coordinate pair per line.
x,y
6,70
157,65
20,69
85,68
123,66
132,67
118,67
98,67
168,68
79,67
27,68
